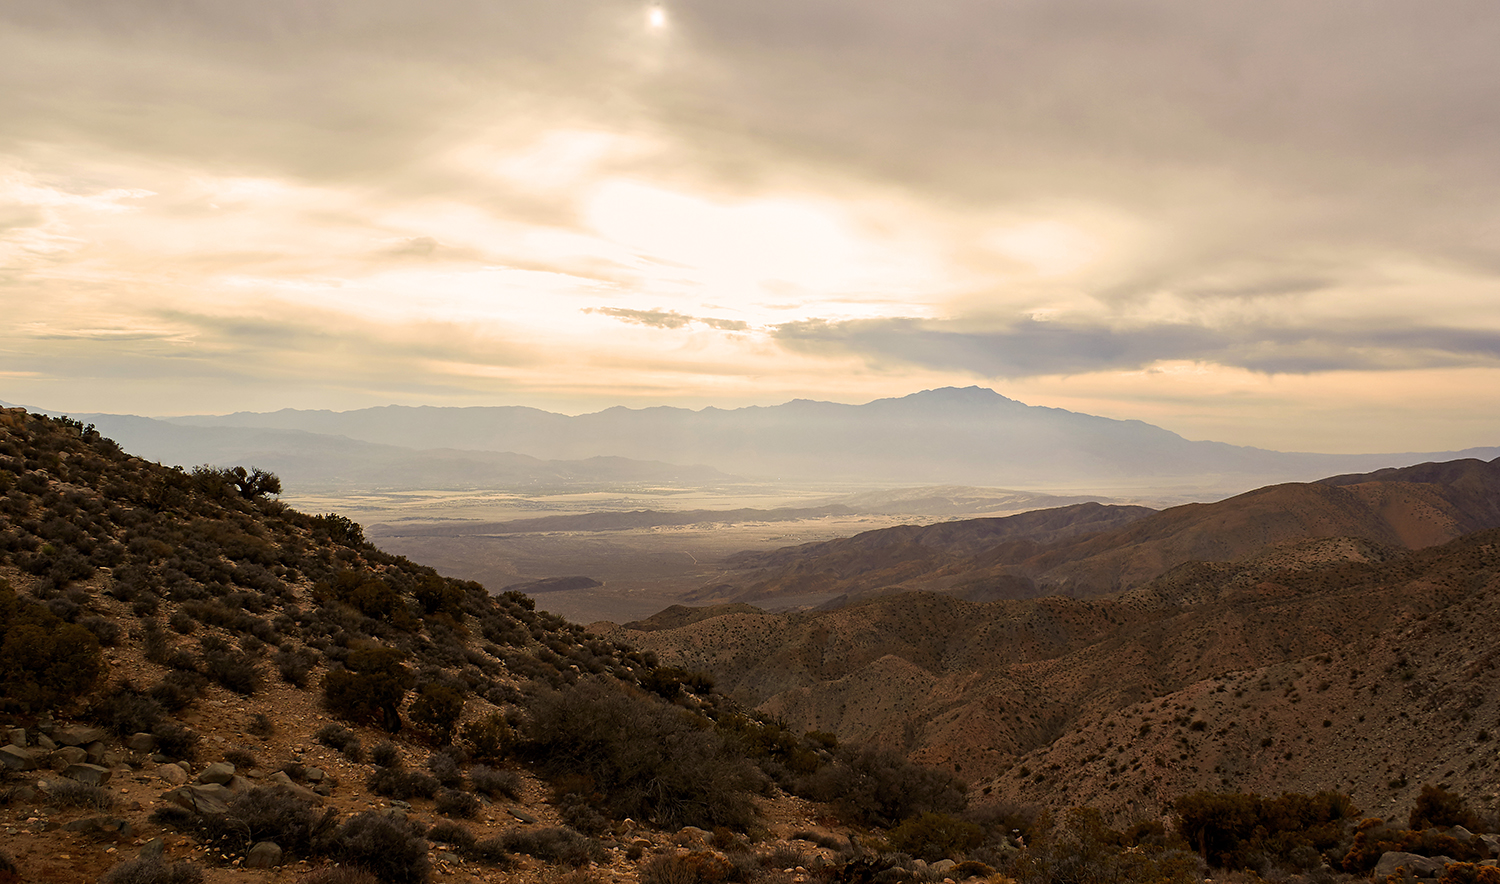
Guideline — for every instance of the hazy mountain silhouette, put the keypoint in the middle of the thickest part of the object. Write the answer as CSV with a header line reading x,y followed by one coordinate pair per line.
x,y
970,436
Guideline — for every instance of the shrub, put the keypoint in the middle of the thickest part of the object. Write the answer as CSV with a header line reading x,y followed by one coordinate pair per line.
x,y
295,665
175,740
230,667
44,662
647,759
387,848
882,788
445,769
488,739
370,688
340,875
401,784
385,754
689,868
436,711
450,832
152,871
934,836
242,758
1436,807
71,793
1237,830
454,802
495,783
491,850
1469,873
261,726
554,844
125,710
336,736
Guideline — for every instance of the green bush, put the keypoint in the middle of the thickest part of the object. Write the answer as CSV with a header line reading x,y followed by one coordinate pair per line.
x,y
44,662
934,836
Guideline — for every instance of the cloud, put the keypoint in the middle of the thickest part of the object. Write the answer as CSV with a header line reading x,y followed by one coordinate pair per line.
x,y
668,319
1029,348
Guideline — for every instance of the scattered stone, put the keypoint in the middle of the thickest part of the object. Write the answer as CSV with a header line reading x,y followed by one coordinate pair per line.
x,y
67,755
280,778
45,743
96,752
1418,866
203,798
102,825
92,774
77,735
314,774
942,867
172,774
18,737
15,758
521,815
220,772
140,743
153,849
691,835
265,855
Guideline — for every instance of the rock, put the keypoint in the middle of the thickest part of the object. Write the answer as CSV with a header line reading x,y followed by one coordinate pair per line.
x,y
92,774
203,798
15,758
521,815
279,779
265,855
45,743
942,866
1494,844
102,825
220,772
153,849
314,774
76,735
18,737
1461,835
61,758
172,773
1419,866
691,835
96,752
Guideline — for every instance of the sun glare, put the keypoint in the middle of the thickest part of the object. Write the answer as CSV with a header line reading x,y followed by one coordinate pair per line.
x,y
656,17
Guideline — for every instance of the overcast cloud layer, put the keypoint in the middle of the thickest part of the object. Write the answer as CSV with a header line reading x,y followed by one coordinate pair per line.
x,y
1272,223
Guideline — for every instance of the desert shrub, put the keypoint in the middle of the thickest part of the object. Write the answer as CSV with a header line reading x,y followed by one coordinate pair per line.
x,y
182,623
450,832
344,740
1237,830
261,726
491,851
882,788
105,630
495,783
1085,851
241,758
690,868
295,665
386,847
178,689
646,759
1375,837
445,768
934,836
175,740
402,784
44,662
370,687
265,813
489,738
385,754
125,710
554,844
582,817
436,710
71,793
229,666
454,802
1436,807
152,871
1469,873
339,875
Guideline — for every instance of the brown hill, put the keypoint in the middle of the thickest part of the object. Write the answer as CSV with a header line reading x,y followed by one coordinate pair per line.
x,y
1332,663
1077,551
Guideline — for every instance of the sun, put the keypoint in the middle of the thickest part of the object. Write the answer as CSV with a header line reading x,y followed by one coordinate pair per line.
x,y
656,17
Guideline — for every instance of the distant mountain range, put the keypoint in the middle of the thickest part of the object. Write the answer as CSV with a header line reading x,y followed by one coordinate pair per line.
x,y
971,436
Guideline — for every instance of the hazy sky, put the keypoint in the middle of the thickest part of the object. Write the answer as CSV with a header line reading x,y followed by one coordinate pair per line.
x,y
1270,222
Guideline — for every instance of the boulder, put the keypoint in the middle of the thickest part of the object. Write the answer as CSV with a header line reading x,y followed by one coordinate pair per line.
x,y
102,825
18,737
143,743
14,758
281,780
1493,842
45,743
77,735
67,755
942,866
314,774
153,849
1418,866
92,774
172,773
203,798
220,772
96,752
265,855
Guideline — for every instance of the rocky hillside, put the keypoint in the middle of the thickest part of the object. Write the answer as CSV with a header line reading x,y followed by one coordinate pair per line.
x,y
1092,549
1326,663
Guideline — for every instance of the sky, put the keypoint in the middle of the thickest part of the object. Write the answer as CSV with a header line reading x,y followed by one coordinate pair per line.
x,y
1270,223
